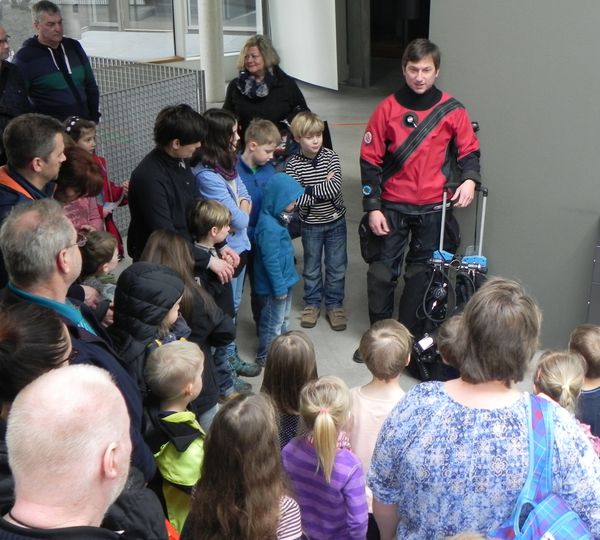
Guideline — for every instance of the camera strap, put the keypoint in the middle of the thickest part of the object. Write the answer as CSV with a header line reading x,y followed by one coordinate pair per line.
x,y
394,162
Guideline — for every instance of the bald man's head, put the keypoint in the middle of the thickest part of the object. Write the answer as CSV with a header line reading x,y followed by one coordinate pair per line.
x,y
68,437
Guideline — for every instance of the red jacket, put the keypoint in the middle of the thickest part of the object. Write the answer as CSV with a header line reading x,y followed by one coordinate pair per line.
x,y
422,177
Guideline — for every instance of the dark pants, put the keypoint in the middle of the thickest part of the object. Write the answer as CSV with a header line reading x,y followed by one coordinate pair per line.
x,y
421,233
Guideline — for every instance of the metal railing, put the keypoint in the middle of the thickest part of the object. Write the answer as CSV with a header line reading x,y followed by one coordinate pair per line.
x,y
131,95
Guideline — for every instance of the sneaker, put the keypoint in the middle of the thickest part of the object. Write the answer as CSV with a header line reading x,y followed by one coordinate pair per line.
x,y
241,387
357,357
337,318
261,361
244,369
310,316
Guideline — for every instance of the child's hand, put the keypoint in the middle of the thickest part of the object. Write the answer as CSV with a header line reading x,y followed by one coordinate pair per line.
x,y
222,268
230,256
92,296
125,186
85,229
330,175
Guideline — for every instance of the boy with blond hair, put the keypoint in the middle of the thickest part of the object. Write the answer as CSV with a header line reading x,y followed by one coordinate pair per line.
x,y
585,340
255,168
385,348
174,376
322,213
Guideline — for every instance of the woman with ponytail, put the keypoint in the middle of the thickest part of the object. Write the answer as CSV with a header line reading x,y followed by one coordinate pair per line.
x,y
326,476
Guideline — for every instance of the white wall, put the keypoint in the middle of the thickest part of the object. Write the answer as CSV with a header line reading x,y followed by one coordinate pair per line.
x,y
304,34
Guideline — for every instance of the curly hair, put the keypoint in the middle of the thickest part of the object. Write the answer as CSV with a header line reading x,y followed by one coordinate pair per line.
x,y
242,479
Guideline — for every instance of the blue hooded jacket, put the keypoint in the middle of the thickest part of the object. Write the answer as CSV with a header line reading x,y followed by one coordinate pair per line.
x,y
274,270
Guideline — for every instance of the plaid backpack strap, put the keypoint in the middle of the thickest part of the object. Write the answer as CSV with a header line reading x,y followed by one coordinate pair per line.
x,y
538,482
542,433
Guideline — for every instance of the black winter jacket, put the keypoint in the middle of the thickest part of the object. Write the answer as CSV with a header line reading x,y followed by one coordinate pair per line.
x,y
210,328
13,98
145,293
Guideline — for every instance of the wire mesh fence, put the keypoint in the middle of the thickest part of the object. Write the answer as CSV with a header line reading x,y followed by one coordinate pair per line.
x,y
131,95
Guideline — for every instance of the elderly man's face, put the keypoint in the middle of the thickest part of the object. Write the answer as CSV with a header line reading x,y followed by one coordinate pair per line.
x,y
4,44
49,29
74,255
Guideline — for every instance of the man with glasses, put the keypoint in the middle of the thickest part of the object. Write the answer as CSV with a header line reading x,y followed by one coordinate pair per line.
x,y
34,148
13,96
41,250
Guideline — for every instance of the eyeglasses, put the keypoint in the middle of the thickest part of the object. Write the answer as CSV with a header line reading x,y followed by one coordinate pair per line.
x,y
5,41
80,242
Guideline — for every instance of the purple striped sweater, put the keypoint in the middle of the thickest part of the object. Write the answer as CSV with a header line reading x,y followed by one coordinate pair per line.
x,y
336,510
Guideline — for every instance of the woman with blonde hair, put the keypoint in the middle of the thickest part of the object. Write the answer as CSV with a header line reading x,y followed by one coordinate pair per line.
x,y
327,477
262,89
241,492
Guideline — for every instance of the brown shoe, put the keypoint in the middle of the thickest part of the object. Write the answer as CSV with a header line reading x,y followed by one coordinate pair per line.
x,y
310,316
337,318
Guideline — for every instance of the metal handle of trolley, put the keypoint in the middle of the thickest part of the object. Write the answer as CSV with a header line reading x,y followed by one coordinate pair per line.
x,y
476,262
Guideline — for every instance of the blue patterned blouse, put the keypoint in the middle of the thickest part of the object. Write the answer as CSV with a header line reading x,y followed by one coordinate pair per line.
x,y
452,468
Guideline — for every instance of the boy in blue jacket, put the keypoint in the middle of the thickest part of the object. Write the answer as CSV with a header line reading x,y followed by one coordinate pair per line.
x,y
274,269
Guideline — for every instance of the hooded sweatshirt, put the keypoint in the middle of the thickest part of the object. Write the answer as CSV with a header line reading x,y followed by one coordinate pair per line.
x,y
145,293
274,270
44,70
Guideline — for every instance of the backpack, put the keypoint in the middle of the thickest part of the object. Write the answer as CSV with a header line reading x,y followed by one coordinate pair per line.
x,y
540,514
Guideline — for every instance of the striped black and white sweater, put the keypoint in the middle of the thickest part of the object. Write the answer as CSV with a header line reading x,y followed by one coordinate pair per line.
x,y
321,178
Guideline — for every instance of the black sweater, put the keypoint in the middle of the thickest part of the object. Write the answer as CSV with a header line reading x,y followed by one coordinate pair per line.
x,y
161,192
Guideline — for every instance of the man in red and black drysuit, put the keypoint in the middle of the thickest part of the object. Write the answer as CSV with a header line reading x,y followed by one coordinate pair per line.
x,y
404,167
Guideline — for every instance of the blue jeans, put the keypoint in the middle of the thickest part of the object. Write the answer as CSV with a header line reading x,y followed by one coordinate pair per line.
x,y
325,242
273,322
237,286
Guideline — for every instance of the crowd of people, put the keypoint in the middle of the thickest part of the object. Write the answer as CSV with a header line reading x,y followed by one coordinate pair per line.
x,y
125,413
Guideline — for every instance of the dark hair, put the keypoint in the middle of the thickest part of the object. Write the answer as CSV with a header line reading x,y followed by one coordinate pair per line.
x,y
32,341
79,172
29,136
216,150
74,126
179,122
421,48
291,363
173,251
498,333
242,480
585,340
99,249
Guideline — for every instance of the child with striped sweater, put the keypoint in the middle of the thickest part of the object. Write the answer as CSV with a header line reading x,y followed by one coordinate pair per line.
x,y
322,215
327,478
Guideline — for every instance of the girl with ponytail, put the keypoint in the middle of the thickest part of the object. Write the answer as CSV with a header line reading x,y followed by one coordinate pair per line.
x,y
560,377
326,476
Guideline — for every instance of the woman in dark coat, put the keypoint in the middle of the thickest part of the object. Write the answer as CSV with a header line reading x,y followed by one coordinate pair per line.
x,y
262,89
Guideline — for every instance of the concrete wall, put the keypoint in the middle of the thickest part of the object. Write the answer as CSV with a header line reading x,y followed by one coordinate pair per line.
x,y
526,70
